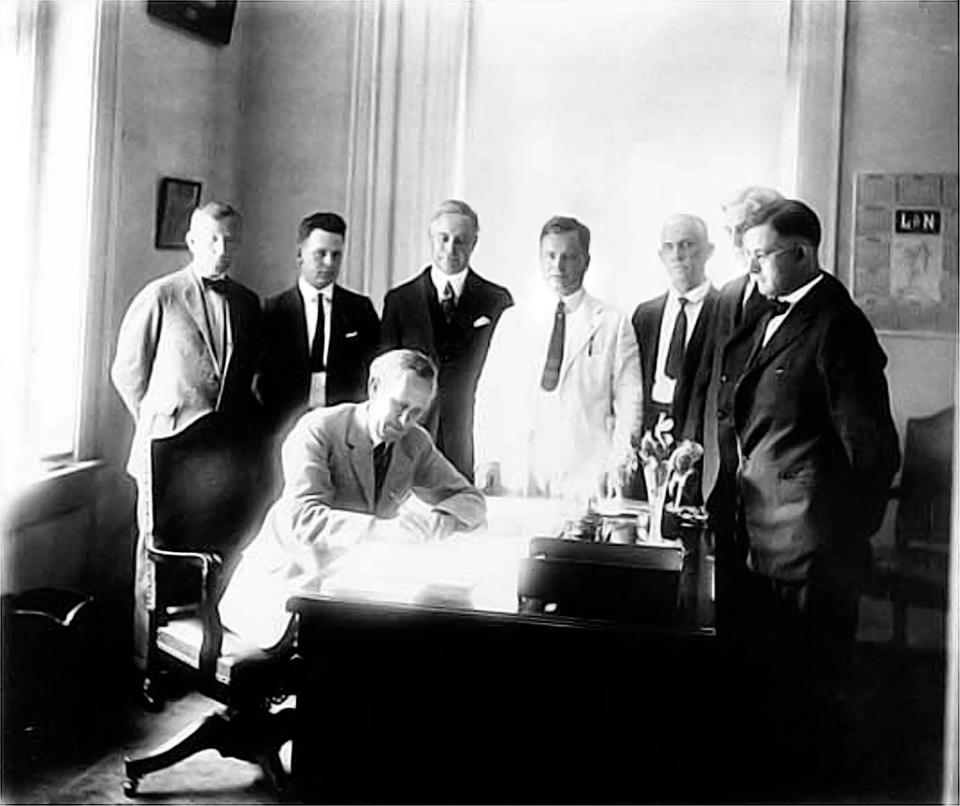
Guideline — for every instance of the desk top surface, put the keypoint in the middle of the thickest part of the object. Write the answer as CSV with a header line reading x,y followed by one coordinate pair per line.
x,y
467,572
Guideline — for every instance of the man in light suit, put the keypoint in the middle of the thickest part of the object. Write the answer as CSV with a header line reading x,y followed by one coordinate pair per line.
x,y
560,398
347,469
807,451
188,345
319,337
449,312
675,329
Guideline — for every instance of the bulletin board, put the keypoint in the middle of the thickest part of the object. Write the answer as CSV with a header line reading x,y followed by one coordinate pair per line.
x,y
904,273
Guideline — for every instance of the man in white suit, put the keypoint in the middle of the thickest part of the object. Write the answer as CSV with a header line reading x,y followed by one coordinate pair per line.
x,y
347,469
188,345
560,397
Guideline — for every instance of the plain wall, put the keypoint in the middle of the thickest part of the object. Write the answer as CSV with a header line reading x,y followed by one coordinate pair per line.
x,y
900,115
297,68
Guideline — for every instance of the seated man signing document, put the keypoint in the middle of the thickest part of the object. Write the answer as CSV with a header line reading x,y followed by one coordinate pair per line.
x,y
347,469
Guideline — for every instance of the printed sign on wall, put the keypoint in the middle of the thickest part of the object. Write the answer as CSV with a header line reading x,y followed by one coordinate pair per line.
x,y
905,251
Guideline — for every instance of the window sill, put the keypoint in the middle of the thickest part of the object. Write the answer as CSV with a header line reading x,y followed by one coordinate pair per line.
x,y
58,488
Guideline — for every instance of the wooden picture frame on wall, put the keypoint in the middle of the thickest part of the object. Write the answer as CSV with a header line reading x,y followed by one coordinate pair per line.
x,y
176,201
211,20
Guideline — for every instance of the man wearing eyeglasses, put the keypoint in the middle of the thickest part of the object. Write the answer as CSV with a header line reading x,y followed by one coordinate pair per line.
x,y
807,450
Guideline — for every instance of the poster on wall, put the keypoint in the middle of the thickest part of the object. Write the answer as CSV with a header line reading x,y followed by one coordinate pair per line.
x,y
905,273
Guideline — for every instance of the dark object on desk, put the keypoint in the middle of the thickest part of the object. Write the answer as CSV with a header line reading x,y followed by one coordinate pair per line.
x,y
208,485
914,573
637,583
212,21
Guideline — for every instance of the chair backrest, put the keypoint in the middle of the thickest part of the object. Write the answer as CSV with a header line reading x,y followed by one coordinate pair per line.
x,y
927,480
211,486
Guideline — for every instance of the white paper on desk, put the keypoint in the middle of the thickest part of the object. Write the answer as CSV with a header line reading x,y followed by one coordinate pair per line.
x,y
465,569
318,390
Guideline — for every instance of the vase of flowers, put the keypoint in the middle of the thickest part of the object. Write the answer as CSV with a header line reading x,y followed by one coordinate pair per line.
x,y
667,467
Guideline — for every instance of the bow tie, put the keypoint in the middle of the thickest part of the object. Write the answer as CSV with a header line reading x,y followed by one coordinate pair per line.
x,y
216,284
778,307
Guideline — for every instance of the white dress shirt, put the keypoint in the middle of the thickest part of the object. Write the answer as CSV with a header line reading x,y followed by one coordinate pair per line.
x,y
663,386
310,296
440,280
217,310
792,299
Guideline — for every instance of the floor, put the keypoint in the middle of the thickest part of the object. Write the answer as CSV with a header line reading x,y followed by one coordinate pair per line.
x,y
92,772
893,751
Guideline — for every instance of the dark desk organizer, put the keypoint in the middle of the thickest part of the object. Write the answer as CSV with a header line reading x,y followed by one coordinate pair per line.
x,y
636,583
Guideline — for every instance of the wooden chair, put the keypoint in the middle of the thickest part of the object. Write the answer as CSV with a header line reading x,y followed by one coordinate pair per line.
x,y
209,485
914,572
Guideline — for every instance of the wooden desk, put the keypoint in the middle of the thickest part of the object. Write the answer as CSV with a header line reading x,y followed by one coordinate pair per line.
x,y
406,702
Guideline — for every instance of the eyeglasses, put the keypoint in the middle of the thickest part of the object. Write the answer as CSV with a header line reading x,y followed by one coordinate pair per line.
x,y
770,254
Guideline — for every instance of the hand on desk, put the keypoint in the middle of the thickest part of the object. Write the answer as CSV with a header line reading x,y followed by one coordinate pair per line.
x,y
415,527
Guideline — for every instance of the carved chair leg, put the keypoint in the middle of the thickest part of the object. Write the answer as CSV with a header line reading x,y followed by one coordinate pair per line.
x,y
208,734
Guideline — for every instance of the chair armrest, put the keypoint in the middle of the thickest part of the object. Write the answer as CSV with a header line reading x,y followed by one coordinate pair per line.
x,y
210,564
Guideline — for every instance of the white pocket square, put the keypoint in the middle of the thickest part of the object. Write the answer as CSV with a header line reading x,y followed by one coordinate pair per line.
x,y
350,335
481,321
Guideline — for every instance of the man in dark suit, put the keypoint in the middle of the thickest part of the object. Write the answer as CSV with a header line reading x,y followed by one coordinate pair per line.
x,y
736,301
449,312
188,345
807,451
319,337
675,329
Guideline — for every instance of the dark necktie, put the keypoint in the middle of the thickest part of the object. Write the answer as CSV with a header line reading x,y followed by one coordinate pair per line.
x,y
678,342
448,303
381,461
316,352
216,284
551,370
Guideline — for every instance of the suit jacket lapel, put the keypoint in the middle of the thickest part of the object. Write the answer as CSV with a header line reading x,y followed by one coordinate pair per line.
x,y
338,327
298,321
584,338
797,322
361,455
194,305
426,288
704,325
650,321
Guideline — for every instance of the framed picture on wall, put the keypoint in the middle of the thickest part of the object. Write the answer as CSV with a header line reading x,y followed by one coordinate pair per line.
x,y
209,19
176,200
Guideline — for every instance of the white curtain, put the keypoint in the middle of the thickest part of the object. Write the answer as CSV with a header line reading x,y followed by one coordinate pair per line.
x,y
406,133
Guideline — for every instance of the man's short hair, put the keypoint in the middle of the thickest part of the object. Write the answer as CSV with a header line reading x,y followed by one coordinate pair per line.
x,y
697,222
328,222
214,211
744,206
560,223
393,362
792,218
456,207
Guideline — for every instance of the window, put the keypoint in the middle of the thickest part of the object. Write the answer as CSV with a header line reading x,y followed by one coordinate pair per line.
x,y
48,68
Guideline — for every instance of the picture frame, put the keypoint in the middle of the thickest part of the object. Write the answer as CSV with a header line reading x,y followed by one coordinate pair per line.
x,y
176,201
211,20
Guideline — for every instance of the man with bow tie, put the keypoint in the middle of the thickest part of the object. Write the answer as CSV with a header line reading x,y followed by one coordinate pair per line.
x,y
449,312
188,345
807,451
319,337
